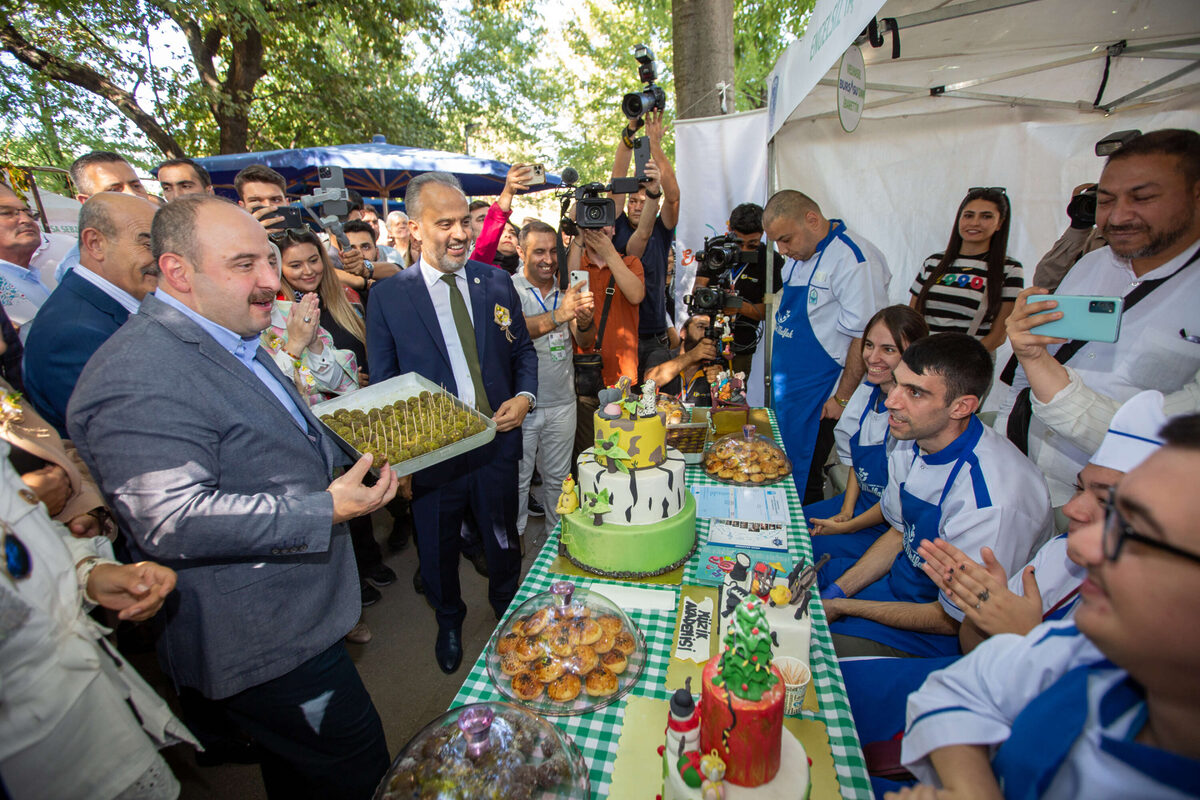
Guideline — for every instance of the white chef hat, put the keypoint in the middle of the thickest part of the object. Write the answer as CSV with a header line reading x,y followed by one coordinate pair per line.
x,y
1133,433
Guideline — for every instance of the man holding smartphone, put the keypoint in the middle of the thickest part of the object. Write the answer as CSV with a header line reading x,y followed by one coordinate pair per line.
x,y
557,320
1148,209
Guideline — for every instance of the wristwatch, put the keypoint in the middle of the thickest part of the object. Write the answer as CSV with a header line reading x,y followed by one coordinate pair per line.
x,y
529,396
370,269
652,195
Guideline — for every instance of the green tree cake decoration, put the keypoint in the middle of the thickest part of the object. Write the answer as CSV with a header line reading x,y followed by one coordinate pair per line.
x,y
745,668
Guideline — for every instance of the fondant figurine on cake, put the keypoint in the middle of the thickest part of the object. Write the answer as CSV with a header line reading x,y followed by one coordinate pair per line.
x,y
597,504
649,524
568,500
742,751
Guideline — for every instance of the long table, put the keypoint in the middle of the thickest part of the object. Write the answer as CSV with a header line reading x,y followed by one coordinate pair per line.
x,y
596,734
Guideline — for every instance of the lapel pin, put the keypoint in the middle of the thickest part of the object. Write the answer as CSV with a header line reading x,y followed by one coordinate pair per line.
x,y
477,280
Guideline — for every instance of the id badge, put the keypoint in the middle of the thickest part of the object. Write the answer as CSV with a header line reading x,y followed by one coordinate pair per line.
x,y
558,341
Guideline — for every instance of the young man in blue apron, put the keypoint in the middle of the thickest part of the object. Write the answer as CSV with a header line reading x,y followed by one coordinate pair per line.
x,y
836,281
958,480
1106,705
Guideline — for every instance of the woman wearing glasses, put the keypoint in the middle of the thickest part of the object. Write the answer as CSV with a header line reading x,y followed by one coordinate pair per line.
x,y
971,287
315,336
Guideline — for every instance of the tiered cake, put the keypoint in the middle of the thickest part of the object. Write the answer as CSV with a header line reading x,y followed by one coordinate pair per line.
x,y
635,516
740,746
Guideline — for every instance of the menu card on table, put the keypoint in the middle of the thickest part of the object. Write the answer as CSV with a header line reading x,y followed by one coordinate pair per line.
x,y
744,503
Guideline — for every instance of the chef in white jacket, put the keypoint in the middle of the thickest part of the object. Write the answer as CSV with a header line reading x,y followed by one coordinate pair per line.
x,y
1107,705
66,726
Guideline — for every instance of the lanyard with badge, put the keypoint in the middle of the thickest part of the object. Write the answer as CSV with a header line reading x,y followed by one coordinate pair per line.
x,y
560,337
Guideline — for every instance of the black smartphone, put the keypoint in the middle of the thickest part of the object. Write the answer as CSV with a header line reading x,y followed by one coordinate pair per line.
x,y
641,155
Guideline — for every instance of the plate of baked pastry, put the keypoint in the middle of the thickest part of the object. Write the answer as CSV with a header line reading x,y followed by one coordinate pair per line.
x,y
566,651
746,458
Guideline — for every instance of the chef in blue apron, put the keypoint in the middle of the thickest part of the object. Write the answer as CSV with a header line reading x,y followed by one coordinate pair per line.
x,y
846,525
1102,705
957,480
834,283
878,688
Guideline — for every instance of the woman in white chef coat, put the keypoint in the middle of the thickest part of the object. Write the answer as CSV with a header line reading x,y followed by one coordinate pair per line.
x,y
66,726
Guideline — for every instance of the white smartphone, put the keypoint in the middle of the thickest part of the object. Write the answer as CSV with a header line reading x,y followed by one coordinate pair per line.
x,y
578,276
538,175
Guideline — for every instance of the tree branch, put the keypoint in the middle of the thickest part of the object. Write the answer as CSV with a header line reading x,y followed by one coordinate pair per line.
x,y
87,78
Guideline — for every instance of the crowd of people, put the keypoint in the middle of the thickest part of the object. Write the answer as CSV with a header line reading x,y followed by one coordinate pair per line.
x,y
164,463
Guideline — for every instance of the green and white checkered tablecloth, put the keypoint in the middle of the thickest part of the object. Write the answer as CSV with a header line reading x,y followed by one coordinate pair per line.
x,y
596,734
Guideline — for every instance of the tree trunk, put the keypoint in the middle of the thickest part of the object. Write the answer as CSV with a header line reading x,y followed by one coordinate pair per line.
x,y
702,39
85,77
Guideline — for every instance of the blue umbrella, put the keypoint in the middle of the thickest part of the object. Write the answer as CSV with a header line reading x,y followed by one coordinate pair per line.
x,y
377,169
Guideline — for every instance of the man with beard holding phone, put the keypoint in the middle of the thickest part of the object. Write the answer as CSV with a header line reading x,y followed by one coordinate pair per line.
x,y
1148,209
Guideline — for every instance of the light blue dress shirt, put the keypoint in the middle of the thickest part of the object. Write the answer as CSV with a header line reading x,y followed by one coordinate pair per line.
x,y
244,350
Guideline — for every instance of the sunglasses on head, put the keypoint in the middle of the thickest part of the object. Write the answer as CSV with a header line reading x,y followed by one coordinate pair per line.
x,y
294,234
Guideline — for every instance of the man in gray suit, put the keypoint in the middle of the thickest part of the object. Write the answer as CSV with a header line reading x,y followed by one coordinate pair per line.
x,y
216,467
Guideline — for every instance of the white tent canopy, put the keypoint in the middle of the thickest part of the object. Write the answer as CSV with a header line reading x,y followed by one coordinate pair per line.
x,y
970,53
1021,79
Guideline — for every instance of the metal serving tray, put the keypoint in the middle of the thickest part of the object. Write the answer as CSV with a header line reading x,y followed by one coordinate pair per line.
x,y
402,387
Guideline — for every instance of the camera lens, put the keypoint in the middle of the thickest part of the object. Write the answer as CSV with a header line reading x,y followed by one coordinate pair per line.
x,y
594,212
637,103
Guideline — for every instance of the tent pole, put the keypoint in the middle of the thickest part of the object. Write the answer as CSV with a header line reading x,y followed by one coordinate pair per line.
x,y
1179,73
955,12
771,288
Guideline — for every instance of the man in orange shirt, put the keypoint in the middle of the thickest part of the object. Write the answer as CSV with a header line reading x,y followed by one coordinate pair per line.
x,y
593,250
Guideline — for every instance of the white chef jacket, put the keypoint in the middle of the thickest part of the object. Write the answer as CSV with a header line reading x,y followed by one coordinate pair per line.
x,y
872,430
998,500
62,694
1058,578
1148,354
977,699
848,277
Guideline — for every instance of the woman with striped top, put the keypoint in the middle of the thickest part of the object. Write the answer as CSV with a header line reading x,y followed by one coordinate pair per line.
x,y
972,286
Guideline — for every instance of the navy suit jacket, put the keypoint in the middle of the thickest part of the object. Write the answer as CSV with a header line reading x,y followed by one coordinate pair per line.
x,y
403,335
70,326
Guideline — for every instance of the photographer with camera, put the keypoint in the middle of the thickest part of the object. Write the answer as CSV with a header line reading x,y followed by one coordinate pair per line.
x,y
615,282
1079,239
690,374
646,228
748,279
488,228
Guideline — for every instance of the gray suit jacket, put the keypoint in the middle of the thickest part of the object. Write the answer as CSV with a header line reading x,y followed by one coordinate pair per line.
x,y
211,476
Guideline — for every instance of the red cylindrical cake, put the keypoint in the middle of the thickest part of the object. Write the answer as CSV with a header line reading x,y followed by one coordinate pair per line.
x,y
752,754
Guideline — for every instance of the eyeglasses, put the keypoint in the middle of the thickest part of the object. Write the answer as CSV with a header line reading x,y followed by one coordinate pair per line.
x,y
17,562
993,189
9,212
1117,531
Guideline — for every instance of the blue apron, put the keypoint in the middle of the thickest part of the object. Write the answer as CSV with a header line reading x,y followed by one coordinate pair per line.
x,y
906,582
804,374
870,465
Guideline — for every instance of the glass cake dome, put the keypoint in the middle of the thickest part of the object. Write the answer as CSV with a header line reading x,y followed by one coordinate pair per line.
x,y
487,751
566,651
746,458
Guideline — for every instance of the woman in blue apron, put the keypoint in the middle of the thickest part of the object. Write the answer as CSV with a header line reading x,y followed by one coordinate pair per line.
x,y
851,522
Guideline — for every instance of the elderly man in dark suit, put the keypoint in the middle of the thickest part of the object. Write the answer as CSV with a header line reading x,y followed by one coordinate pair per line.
x,y
116,270
214,464
459,324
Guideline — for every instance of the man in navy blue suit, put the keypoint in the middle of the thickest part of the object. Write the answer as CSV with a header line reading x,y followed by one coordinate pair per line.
x,y
459,324
116,270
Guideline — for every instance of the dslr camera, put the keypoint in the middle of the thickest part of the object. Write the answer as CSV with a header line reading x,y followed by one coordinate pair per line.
x,y
651,97
592,210
720,255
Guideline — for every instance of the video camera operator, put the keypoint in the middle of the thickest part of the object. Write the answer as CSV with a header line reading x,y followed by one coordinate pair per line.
x,y
646,228
690,374
748,280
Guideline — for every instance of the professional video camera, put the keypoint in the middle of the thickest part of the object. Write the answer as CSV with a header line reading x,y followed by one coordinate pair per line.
x,y
592,210
721,253
651,97
1082,207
